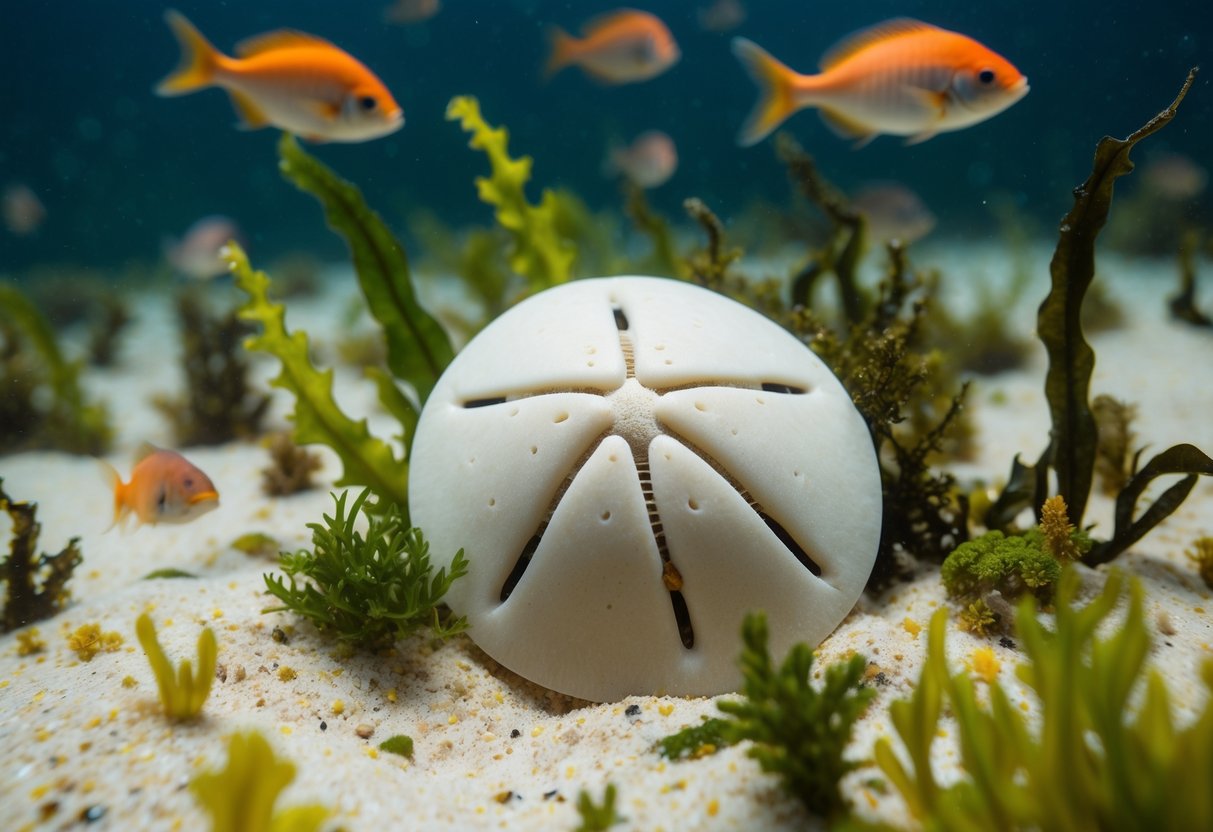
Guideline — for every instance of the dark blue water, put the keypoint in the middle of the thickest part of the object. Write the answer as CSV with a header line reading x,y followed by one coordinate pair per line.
x,y
119,168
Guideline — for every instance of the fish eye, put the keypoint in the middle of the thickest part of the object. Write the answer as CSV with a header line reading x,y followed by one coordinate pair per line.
x,y
188,482
368,103
986,76
162,498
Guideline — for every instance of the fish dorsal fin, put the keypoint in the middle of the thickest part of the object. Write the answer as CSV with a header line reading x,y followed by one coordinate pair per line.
x,y
280,39
601,21
858,41
144,450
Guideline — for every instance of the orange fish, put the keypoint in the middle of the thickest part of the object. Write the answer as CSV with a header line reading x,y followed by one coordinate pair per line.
x,y
291,80
901,77
649,161
617,48
165,487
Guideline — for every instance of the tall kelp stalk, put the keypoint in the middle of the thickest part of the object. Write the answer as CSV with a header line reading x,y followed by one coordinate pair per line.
x,y
1183,303
1071,451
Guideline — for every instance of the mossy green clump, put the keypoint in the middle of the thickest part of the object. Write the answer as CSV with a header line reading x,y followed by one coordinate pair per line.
x,y
368,590
539,252
182,694
400,744
597,817
1008,564
240,797
44,405
35,585
1201,555
799,731
291,467
1107,753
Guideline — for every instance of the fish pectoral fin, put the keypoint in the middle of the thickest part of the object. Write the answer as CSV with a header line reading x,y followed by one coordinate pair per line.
x,y
919,138
251,116
846,128
933,101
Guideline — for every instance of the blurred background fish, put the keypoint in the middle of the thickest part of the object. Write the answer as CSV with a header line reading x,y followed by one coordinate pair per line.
x,y
893,212
649,161
22,210
902,77
619,47
1174,176
292,80
721,15
196,255
406,12
165,487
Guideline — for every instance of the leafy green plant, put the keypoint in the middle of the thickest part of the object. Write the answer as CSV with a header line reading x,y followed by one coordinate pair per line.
x,y
596,818
183,694
35,585
401,744
1089,765
799,732
539,252
240,797
368,590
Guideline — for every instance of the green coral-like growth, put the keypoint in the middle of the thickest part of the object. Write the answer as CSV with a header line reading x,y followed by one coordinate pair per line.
x,y
240,797
1008,564
594,817
366,460
368,590
401,744
1107,754
799,732
35,585
539,253
184,693
32,363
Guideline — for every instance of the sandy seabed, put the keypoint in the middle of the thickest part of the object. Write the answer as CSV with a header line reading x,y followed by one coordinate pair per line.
x,y
493,751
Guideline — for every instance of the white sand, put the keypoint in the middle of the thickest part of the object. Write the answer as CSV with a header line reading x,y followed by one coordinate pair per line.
x,y
75,738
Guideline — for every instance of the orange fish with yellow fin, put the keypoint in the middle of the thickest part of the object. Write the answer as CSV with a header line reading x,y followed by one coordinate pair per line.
x,y
295,81
616,48
901,77
165,487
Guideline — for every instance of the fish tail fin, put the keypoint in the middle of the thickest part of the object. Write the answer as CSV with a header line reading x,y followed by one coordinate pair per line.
x,y
563,46
118,487
776,99
198,58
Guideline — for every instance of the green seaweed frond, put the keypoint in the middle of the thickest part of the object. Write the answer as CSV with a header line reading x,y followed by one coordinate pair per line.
x,y
401,744
697,741
1104,757
366,460
539,253
184,693
65,419
1201,554
1008,564
368,590
35,585
240,797
290,469
1114,454
596,818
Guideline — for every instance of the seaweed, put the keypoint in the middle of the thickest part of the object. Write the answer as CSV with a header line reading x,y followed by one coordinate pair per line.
x,y
183,694
219,403
400,744
35,585
111,320
1201,554
595,817
87,640
799,732
371,590
664,259
366,460
240,797
44,405
1088,765
1183,303
711,267
290,469
538,252
1114,455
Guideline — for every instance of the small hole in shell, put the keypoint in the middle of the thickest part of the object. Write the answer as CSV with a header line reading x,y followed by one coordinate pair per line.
x,y
693,504
492,502
560,417
534,450
605,516
701,407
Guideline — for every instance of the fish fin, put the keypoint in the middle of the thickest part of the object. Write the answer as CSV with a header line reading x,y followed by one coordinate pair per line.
x,y
251,116
601,21
114,479
198,58
144,450
564,51
856,42
919,138
845,127
775,91
279,39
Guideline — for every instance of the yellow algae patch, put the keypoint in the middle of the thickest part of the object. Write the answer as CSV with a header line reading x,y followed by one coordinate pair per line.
x,y
286,674
338,707
911,626
88,640
985,664
29,643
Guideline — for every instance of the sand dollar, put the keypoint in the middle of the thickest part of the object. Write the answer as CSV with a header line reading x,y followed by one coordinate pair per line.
x,y
631,464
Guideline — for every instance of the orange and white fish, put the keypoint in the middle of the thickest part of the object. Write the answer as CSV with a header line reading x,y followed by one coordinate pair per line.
x,y
721,15
292,80
616,48
21,209
901,77
165,487
893,212
408,12
649,161
198,254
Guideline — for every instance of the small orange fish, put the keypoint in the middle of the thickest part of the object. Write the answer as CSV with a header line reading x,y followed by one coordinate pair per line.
x,y
165,487
901,77
292,80
649,161
616,48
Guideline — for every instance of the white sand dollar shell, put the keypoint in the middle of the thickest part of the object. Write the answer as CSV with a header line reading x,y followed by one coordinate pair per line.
x,y
631,464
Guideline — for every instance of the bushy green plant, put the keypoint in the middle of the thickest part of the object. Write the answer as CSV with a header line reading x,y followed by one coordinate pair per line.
x,y
369,590
240,797
1102,758
1010,564
799,732
596,818
183,694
